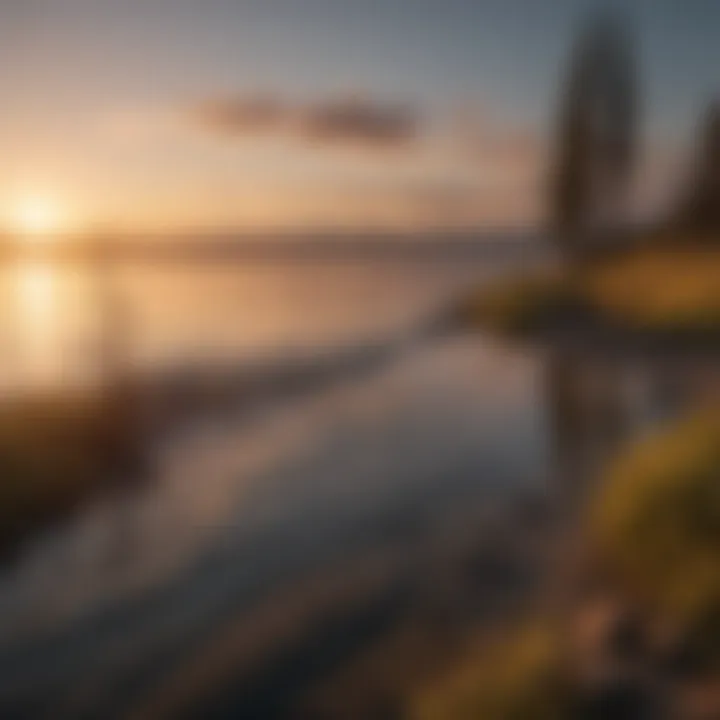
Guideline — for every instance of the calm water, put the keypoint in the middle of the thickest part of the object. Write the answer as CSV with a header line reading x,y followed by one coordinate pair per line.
x,y
291,540
51,317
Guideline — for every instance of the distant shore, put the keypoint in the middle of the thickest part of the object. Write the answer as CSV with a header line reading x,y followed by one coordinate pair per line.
x,y
202,246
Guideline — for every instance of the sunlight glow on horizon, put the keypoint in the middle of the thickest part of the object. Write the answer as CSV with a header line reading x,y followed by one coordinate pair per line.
x,y
37,217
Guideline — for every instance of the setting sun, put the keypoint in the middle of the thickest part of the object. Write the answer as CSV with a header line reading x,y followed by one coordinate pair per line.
x,y
38,217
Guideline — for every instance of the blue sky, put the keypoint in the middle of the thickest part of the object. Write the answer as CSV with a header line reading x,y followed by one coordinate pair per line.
x,y
99,98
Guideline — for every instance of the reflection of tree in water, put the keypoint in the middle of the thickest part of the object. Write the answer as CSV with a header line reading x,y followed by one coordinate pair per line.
x,y
122,433
595,405
587,418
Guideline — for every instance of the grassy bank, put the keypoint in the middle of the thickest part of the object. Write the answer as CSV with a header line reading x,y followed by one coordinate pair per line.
x,y
667,292
653,538
516,679
656,529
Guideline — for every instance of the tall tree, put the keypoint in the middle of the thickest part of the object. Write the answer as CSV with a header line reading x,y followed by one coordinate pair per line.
x,y
597,135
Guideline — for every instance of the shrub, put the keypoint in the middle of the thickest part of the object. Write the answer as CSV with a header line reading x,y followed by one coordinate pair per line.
x,y
657,521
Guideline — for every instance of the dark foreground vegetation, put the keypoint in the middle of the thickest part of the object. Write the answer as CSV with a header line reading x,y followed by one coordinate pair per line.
x,y
56,450
638,633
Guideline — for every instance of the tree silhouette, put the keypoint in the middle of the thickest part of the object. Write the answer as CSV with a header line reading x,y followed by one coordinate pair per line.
x,y
597,133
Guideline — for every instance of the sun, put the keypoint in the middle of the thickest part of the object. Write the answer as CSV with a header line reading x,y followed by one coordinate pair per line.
x,y
37,217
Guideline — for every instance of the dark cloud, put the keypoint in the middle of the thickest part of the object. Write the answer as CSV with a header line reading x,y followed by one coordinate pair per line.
x,y
351,122
360,122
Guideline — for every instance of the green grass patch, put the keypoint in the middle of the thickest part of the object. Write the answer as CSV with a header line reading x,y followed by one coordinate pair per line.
x,y
665,291
656,526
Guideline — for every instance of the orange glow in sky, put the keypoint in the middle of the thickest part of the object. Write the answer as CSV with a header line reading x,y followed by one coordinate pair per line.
x,y
37,217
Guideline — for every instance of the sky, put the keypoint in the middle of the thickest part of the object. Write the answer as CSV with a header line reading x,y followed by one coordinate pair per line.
x,y
219,114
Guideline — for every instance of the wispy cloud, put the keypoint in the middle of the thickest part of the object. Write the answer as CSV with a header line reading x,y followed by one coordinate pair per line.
x,y
402,164
352,121
362,122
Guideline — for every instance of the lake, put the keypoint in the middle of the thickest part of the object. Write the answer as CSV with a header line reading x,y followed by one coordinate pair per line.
x,y
280,547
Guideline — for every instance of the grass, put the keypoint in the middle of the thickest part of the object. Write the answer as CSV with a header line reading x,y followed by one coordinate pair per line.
x,y
669,290
656,523
665,291
655,533
517,679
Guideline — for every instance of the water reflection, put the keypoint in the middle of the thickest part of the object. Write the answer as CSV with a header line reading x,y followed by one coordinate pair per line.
x,y
394,473
46,321
38,319
587,418
597,404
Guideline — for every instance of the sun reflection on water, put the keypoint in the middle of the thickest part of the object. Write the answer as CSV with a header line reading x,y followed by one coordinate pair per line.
x,y
45,326
37,321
